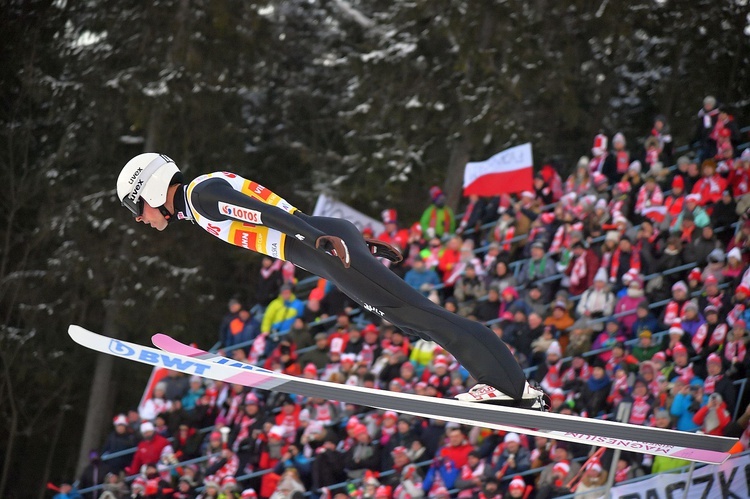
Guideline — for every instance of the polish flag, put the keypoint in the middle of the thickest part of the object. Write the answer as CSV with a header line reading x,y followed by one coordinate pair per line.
x,y
656,214
506,172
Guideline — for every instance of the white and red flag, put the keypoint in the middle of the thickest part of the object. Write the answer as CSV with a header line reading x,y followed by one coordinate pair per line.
x,y
506,172
656,214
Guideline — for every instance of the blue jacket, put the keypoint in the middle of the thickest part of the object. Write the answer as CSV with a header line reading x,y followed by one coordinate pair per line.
x,y
681,410
416,279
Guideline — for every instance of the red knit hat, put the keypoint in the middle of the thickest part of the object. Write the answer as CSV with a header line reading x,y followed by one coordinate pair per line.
x,y
678,181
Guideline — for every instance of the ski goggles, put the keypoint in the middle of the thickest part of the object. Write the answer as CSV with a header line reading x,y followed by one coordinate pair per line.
x,y
136,208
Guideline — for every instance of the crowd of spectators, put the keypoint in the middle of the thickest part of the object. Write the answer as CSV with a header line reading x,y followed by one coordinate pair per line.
x,y
624,288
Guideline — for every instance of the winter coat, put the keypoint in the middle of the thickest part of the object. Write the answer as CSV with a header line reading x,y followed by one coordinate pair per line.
x,y
280,314
115,443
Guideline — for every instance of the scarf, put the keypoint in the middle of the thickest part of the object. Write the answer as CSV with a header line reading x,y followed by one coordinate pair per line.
x,y
647,199
686,373
640,410
584,373
245,423
274,267
652,155
536,269
434,219
635,263
622,475
553,378
623,161
709,386
715,335
735,352
467,215
504,232
578,272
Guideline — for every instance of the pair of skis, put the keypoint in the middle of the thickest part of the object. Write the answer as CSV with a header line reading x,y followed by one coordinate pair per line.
x,y
177,356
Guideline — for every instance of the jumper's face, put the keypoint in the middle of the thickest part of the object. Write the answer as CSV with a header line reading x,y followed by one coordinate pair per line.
x,y
153,217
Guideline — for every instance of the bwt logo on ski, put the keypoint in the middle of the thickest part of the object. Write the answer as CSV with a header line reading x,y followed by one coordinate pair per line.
x,y
240,213
119,348
157,358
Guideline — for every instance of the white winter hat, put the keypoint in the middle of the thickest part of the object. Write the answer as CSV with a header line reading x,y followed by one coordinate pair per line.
x,y
554,349
601,275
512,437
735,253
146,427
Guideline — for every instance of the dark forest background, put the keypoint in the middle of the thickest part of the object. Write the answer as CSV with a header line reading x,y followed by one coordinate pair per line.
x,y
371,101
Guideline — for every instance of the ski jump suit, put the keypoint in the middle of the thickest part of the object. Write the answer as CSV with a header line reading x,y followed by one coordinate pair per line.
x,y
246,214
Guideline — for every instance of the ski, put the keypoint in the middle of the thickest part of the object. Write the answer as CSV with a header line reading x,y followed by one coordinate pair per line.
x,y
173,346
689,446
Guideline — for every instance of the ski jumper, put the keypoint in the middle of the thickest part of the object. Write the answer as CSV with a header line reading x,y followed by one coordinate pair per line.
x,y
248,215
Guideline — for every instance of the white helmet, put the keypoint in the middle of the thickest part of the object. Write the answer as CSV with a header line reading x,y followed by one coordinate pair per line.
x,y
146,177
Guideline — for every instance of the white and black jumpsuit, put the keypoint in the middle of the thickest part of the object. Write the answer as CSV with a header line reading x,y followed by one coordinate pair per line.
x,y
247,214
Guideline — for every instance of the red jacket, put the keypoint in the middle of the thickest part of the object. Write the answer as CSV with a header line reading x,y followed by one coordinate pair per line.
x,y
723,416
459,454
148,451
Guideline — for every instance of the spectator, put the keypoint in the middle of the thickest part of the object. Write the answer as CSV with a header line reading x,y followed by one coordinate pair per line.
x,y
582,268
640,403
438,219
148,449
222,461
119,439
364,455
233,309
645,320
469,288
406,481
550,475
717,382
156,404
601,161
707,118
186,443
625,309
687,403
514,458
537,268
317,356
592,401
457,449
281,312
579,182
176,385
593,479
735,351
489,309
421,278
270,281
93,474
66,492
713,417
289,486
711,335
645,349
596,303
194,393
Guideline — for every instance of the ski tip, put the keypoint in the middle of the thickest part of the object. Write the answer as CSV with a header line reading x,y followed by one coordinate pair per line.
x,y
76,332
158,338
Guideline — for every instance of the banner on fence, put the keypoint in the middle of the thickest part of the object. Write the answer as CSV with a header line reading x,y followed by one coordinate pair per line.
x,y
730,480
329,207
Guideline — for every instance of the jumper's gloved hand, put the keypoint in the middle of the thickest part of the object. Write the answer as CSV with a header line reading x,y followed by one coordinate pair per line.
x,y
334,246
384,250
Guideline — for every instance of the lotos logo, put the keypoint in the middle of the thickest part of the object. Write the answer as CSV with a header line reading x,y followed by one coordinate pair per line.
x,y
120,348
240,213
